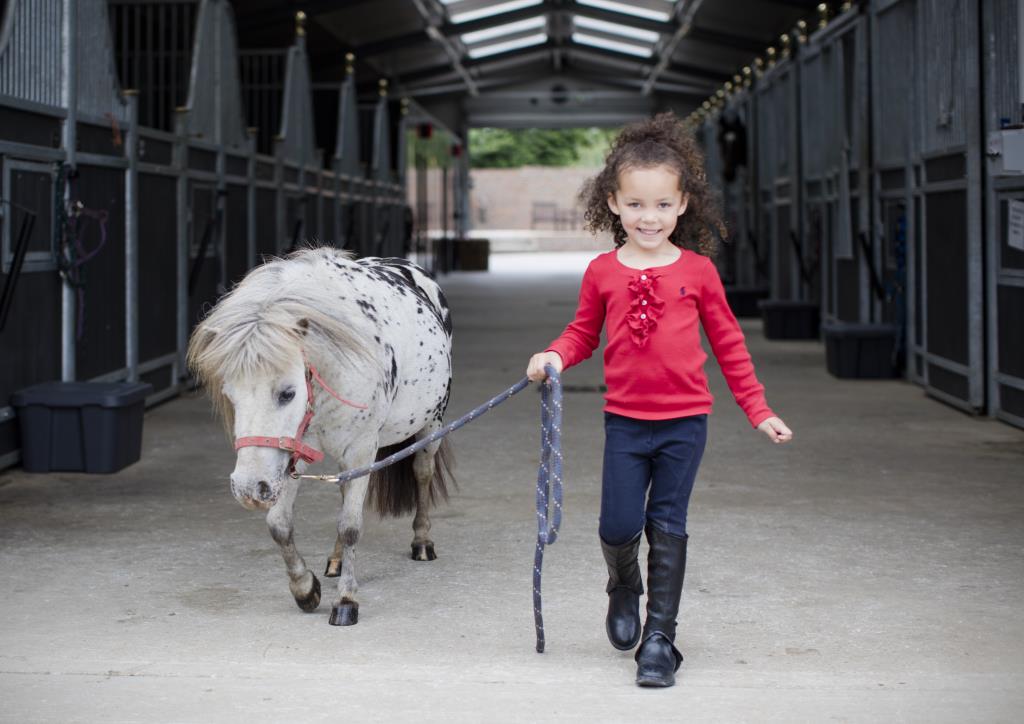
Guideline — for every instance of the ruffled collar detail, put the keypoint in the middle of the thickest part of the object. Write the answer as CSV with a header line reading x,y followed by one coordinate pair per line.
x,y
645,307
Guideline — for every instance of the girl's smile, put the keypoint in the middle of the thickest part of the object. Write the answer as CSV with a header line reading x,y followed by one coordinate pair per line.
x,y
648,202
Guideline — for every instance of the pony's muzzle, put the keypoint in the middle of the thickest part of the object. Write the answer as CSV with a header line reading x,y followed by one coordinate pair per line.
x,y
259,496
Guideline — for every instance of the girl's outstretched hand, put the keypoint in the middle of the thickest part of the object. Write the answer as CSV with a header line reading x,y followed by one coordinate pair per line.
x,y
776,430
535,370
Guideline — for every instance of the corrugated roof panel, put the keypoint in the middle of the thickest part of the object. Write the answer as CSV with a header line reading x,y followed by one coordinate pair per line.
x,y
650,10
481,51
501,30
641,51
648,36
461,11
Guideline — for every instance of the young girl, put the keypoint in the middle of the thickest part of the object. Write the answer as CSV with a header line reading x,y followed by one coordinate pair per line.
x,y
650,292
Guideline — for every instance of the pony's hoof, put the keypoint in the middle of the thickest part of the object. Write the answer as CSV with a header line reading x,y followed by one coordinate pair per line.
x,y
423,552
311,600
345,614
333,568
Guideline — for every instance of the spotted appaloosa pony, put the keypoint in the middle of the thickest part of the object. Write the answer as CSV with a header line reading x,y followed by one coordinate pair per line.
x,y
364,346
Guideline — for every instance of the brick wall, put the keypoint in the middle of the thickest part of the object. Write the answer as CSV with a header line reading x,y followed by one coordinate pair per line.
x,y
504,198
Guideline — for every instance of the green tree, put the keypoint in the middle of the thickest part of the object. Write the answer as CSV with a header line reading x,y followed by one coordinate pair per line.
x,y
505,148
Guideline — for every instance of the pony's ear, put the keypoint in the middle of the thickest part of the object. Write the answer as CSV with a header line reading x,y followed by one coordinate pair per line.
x,y
303,326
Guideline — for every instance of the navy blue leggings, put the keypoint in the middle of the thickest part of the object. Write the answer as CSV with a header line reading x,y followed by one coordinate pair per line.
x,y
662,455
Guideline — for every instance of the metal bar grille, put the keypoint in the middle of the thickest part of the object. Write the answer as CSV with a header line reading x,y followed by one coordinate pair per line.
x,y
153,54
32,35
262,75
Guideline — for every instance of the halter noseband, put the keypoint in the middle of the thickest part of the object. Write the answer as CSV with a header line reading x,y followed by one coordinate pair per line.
x,y
294,445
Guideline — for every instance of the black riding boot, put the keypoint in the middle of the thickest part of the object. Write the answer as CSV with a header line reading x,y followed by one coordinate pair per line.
x,y
657,658
624,589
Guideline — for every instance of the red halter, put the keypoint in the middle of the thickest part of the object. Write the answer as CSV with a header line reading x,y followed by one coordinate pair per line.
x,y
294,445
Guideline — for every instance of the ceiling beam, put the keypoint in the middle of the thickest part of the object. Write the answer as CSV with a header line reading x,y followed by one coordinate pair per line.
x,y
490,84
681,68
538,49
440,71
635,84
485,84
395,42
665,54
807,5
611,16
727,40
435,72
451,29
453,53
697,71
605,54
575,8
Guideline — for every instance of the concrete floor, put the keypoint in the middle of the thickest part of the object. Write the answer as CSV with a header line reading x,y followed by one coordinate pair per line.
x,y
869,572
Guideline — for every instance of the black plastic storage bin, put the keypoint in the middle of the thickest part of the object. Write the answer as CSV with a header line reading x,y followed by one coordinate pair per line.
x,y
785,319
92,427
472,254
743,301
860,351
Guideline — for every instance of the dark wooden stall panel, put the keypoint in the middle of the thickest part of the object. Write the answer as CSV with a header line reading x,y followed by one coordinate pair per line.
x,y
236,233
102,346
266,223
157,267
204,273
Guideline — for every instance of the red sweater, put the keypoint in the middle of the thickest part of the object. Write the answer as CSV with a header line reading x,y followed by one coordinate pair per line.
x,y
654,361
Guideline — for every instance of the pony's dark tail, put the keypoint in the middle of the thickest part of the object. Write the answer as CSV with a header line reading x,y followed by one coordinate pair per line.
x,y
393,489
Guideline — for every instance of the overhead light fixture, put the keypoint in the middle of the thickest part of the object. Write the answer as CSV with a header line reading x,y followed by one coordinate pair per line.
x,y
507,29
590,24
495,48
598,42
628,9
490,10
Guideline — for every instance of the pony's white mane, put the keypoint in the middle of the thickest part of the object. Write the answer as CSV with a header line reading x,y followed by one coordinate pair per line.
x,y
284,306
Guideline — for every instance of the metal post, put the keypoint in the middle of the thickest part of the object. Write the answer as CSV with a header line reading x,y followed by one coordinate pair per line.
x,y
319,201
345,210
871,310
423,211
131,239
447,244
335,201
798,290
753,183
975,241
70,141
1020,58
462,227
445,188
184,215
220,202
280,207
250,202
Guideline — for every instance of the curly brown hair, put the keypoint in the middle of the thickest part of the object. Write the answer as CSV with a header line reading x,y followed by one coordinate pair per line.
x,y
659,140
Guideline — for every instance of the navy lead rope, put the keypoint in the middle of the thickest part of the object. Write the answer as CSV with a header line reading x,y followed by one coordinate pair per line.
x,y
549,486
549,473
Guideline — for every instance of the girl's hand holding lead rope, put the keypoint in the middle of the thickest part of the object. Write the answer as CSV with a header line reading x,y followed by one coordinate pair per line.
x,y
535,369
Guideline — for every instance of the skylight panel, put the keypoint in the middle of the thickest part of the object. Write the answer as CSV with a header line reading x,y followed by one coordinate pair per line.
x,y
621,7
595,41
507,29
495,48
493,10
589,23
